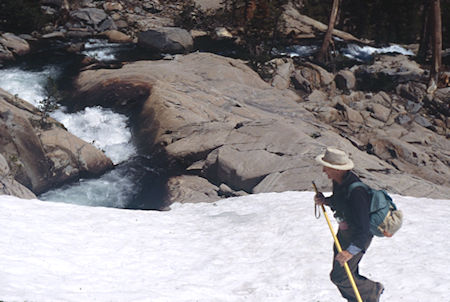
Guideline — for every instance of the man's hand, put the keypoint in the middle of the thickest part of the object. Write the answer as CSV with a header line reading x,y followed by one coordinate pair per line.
x,y
343,257
319,199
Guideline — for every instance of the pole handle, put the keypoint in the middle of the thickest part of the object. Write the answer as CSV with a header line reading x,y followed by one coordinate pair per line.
x,y
315,187
316,207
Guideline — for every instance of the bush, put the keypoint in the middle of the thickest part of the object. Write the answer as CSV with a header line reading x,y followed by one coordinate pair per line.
x,y
50,103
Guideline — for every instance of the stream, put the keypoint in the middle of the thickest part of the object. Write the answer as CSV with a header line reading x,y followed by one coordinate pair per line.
x,y
122,187
134,183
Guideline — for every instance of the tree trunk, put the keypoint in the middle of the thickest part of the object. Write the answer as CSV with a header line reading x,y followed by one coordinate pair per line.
x,y
437,42
424,44
327,39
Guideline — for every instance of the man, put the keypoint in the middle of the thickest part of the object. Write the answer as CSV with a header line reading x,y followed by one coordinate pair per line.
x,y
352,213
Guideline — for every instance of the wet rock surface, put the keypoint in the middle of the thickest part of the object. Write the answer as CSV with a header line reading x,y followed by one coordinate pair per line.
x,y
41,154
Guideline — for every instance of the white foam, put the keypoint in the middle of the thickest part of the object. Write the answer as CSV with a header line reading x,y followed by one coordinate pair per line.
x,y
362,53
106,129
103,128
101,50
26,84
110,190
297,51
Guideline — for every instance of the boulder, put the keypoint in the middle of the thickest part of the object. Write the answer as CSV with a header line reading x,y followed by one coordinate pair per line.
x,y
387,72
345,80
380,112
140,23
439,103
5,54
221,33
317,96
11,45
170,40
241,170
209,4
282,77
268,69
411,157
443,94
308,77
106,25
256,150
233,129
423,122
296,26
353,116
42,154
112,6
54,35
91,16
116,36
325,78
9,186
328,114
301,83
412,91
190,188
197,141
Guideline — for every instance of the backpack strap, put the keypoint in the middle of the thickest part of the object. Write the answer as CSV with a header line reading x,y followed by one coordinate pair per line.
x,y
355,185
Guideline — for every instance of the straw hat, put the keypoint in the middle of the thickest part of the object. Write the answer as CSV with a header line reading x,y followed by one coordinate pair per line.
x,y
336,159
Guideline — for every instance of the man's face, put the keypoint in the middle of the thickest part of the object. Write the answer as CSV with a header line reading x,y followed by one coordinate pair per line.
x,y
332,174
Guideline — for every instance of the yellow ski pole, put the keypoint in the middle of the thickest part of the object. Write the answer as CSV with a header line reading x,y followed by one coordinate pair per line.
x,y
339,248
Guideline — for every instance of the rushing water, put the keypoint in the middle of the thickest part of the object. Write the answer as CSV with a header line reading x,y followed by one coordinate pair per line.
x,y
105,129
365,53
351,51
28,85
134,182
131,184
127,185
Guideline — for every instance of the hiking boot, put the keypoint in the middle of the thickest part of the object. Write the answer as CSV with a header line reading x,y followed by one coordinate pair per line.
x,y
375,297
380,290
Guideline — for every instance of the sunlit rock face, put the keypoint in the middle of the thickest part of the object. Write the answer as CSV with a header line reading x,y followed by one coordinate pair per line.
x,y
227,125
39,151
9,186
11,46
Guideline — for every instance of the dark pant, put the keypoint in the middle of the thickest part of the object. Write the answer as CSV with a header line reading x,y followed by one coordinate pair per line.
x,y
367,288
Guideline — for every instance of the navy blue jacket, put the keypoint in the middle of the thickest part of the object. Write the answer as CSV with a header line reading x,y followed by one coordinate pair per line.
x,y
354,210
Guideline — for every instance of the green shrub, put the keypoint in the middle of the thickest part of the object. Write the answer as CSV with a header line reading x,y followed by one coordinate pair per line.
x,y
50,103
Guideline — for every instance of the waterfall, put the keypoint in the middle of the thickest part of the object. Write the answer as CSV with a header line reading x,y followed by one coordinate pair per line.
x,y
105,129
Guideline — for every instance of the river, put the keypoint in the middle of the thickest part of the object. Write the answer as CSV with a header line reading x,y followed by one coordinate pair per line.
x,y
134,183
107,130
